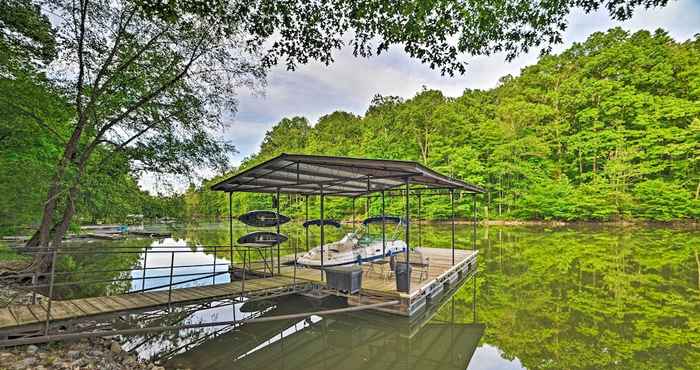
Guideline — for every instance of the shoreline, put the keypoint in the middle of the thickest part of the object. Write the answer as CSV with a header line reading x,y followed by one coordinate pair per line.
x,y
92,353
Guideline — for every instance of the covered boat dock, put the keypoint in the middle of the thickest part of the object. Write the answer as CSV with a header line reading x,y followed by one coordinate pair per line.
x,y
368,180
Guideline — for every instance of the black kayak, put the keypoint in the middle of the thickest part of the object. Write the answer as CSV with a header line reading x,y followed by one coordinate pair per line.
x,y
262,237
385,219
263,218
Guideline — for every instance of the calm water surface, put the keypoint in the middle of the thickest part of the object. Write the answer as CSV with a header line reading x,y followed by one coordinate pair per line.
x,y
554,298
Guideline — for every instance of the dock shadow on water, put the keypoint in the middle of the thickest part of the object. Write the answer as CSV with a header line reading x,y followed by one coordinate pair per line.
x,y
555,298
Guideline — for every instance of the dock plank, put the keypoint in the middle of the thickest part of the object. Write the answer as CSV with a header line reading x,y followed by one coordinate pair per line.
x,y
23,315
6,318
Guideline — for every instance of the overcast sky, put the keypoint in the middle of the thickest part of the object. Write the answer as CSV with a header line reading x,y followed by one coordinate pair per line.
x,y
349,84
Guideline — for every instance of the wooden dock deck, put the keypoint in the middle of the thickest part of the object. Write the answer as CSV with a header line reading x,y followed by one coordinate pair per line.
x,y
377,287
27,317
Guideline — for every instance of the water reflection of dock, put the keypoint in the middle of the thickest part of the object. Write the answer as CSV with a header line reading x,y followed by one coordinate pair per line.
x,y
342,341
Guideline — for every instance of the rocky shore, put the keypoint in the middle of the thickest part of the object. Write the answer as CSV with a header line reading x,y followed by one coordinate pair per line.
x,y
93,353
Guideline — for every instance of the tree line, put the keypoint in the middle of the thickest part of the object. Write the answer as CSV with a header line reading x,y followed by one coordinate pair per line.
x,y
95,93
607,130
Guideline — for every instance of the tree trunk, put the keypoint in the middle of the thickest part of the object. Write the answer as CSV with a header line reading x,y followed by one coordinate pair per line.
x,y
42,237
697,262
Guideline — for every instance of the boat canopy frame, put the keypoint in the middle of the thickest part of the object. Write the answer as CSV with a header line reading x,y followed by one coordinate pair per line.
x,y
322,176
340,176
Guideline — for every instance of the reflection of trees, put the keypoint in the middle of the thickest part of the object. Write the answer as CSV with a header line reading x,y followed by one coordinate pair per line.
x,y
590,298
568,298
78,267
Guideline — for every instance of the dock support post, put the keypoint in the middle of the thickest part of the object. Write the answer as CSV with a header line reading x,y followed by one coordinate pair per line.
x,y
353,214
230,220
452,208
474,221
279,268
408,231
367,199
383,228
474,293
322,231
306,218
230,257
230,227
245,257
420,232
48,309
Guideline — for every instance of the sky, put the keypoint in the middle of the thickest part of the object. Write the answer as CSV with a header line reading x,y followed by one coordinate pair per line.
x,y
349,84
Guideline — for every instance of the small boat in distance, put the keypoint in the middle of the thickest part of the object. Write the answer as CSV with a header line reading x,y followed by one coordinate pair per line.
x,y
356,247
263,218
263,238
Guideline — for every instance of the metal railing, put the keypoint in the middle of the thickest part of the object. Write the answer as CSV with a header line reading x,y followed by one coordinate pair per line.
x,y
52,279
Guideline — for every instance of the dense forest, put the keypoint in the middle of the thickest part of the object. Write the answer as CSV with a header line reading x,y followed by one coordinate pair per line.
x,y
607,130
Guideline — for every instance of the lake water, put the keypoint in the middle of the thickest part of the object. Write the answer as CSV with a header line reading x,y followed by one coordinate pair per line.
x,y
561,298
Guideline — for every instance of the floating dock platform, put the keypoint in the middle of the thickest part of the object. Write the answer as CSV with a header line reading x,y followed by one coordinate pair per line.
x,y
380,286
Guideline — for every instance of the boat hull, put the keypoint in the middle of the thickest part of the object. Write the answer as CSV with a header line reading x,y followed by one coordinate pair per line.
x,y
356,256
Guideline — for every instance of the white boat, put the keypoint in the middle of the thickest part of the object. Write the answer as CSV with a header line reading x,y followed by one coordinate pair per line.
x,y
355,247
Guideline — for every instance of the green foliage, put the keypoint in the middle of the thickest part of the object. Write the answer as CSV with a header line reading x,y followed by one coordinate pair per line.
x,y
436,32
8,254
607,130
580,298
663,201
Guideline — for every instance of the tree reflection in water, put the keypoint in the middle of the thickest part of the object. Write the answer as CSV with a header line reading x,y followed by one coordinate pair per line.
x,y
565,297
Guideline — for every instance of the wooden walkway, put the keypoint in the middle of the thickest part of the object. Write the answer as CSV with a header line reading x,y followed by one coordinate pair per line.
x,y
29,316
377,286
